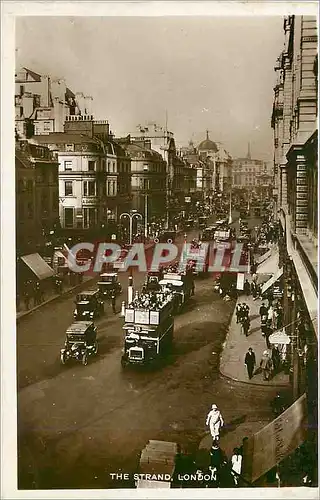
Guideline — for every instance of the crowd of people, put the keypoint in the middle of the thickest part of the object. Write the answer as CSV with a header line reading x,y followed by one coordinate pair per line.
x,y
33,292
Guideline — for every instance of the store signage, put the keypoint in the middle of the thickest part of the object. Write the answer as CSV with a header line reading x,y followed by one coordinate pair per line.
x,y
279,439
89,201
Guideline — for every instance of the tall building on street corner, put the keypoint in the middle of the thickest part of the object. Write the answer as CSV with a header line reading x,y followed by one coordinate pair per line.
x,y
37,197
42,103
294,121
94,176
206,179
148,178
180,178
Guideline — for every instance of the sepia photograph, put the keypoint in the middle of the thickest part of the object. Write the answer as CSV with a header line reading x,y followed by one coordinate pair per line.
x,y
159,194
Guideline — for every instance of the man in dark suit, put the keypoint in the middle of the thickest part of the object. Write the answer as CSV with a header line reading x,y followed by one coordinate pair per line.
x,y
250,362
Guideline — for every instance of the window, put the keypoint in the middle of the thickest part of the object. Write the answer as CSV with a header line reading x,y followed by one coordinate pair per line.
x,y
21,89
68,165
68,217
68,190
91,165
145,184
47,126
111,188
89,188
70,147
89,217
109,166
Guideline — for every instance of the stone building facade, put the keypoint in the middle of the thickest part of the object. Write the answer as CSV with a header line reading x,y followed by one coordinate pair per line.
x,y
294,121
42,103
94,172
148,178
37,196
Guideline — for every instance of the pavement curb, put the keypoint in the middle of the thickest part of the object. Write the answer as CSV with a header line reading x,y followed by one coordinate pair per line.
x,y
229,377
53,298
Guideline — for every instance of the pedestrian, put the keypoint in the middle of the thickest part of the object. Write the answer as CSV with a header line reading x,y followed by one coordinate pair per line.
x,y
246,287
246,310
279,318
215,422
268,332
37,296
271,315
236,461
113,302
238,313
192,288
275,356
250,362
263,311
26,298
266,365
246,325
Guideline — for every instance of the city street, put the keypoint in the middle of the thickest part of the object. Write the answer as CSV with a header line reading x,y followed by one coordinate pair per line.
x,y
77,424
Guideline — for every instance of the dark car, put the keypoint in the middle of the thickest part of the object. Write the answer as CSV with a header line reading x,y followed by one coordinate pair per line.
x,y
80,343
108,285
89,305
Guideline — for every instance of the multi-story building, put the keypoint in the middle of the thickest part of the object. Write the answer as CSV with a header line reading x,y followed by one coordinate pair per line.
x,y
177,177
42,103
148,178
205,173
294,120
253,175
92,167
37,199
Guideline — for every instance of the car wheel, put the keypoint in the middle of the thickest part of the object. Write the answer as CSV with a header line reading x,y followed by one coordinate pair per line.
x,y
63,358
85,359
124,362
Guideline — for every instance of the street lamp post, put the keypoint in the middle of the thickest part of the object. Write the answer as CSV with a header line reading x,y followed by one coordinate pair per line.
x,y
131,215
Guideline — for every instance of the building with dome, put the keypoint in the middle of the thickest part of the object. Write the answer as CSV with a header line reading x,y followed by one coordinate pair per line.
x,y
220,163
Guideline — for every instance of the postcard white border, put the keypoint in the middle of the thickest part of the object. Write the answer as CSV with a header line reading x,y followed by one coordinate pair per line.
x,y
10,10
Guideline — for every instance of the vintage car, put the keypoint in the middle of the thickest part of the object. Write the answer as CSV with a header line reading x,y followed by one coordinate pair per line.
x,y
80,343
108,285
89,305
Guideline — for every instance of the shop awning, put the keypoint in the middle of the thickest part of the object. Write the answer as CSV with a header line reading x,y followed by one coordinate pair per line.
x,y
277,275
38,266
264,256
270,264
279,439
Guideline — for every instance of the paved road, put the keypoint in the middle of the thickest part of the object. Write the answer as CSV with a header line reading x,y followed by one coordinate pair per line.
x,y
79,424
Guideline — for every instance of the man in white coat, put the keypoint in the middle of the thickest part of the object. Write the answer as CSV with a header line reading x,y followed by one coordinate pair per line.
x,y
215,422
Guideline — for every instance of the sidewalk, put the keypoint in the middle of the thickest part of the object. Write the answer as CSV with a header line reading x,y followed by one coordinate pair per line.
x,y
53,296
236,345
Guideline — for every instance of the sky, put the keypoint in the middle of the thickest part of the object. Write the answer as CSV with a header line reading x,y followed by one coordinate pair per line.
x,y
205,73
